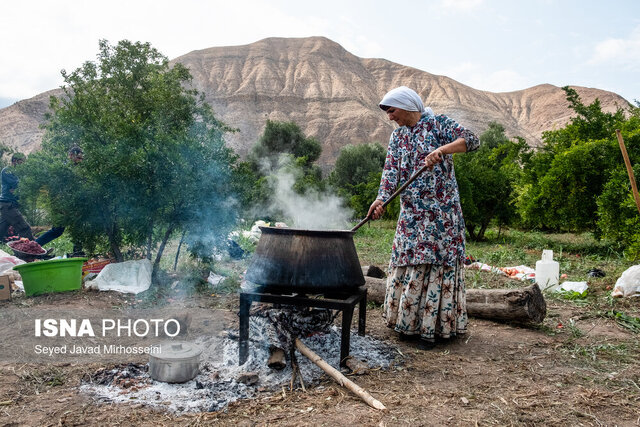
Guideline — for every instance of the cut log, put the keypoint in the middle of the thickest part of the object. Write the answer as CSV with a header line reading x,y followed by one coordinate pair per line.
x,y
341,379
520,305
524,304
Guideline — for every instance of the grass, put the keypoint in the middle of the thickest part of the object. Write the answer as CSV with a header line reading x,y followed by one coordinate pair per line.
x,y
602,352
576,253
42,378
626,321
373,243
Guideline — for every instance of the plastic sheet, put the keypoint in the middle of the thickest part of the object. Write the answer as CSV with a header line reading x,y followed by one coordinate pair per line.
x,y
127,277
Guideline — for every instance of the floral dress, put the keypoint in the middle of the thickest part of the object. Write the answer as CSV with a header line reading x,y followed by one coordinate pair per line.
x,y
425,289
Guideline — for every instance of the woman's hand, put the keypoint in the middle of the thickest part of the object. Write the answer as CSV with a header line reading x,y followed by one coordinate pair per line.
x,y
433,157
376,210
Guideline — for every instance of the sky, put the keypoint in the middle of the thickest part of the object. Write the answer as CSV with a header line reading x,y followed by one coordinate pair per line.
x,y
493,45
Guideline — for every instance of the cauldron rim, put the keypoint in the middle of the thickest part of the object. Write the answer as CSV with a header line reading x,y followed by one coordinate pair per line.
x,y
306,232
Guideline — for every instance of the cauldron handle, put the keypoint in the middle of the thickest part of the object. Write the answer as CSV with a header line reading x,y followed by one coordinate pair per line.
x,y
393,196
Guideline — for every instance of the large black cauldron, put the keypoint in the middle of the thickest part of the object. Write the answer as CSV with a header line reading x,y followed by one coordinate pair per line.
x,y
305,260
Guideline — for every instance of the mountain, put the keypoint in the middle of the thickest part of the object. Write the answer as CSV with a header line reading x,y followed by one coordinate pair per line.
x,y
332,94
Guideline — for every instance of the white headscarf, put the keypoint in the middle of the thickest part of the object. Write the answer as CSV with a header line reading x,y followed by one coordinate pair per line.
x,y
406,99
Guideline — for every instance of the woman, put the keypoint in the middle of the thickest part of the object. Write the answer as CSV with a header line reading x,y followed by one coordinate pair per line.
x,y
425,296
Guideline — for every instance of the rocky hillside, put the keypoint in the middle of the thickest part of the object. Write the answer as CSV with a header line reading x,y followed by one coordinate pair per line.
x,y
331,94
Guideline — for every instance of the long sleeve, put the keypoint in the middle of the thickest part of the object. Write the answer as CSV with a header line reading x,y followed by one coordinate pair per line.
x,y
451,131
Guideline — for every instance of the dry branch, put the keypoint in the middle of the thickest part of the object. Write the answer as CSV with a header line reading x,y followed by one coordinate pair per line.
x,y
341,379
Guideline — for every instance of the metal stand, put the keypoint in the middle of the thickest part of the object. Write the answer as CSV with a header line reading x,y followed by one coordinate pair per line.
x,y
342,301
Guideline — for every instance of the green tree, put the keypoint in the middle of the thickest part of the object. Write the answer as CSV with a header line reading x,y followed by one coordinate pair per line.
x,y
618,218
356,176
563,179
285,138
355,163
364,193
282,147
155,160
487,180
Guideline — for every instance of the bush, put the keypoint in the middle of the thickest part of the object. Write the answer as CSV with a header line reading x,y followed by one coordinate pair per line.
x,y
487,180
618,218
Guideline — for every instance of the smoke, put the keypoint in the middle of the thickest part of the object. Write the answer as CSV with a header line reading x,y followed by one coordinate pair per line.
x,y
317,210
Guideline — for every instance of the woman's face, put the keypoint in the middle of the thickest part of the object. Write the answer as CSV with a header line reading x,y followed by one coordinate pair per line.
x,y
401,117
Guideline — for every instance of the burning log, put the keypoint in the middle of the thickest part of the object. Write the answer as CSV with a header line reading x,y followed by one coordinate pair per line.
x,y
276,359
521,305
341,379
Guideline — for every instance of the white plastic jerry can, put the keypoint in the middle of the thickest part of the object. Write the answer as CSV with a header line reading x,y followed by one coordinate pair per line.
x,y
547,270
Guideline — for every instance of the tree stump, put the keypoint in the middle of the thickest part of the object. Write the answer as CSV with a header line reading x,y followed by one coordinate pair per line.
x,y
521,305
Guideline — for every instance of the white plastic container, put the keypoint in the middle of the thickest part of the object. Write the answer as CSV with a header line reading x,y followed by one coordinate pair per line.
x,y
547,270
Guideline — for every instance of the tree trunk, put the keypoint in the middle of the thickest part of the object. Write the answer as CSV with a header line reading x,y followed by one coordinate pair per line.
x,y
523,305
113,243
480,235
471,231
163,244
483,227
376,289
150,241
110,224
175,263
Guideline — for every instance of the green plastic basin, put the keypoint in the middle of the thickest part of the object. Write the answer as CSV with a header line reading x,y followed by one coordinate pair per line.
x,y
54,275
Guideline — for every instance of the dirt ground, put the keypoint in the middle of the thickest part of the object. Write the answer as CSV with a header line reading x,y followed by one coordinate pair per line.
x,y
575,369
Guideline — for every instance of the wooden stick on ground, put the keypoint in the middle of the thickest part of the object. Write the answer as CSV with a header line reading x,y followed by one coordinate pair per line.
x,y
295,372
341,379
627,163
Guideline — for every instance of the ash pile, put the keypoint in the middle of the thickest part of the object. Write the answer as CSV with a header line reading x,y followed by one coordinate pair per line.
x,y
222,381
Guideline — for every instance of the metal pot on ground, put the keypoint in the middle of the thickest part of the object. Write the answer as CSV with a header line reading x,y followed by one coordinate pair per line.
x,y
176,362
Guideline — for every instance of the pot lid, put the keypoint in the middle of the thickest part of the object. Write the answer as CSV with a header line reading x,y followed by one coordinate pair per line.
x,y
177,350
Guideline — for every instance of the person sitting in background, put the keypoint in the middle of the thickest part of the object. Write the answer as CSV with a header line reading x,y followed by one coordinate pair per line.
x,y
10,215
75,155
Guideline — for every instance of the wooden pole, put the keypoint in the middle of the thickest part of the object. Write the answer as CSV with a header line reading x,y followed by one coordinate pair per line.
x,y
393,196
627,162
341,379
